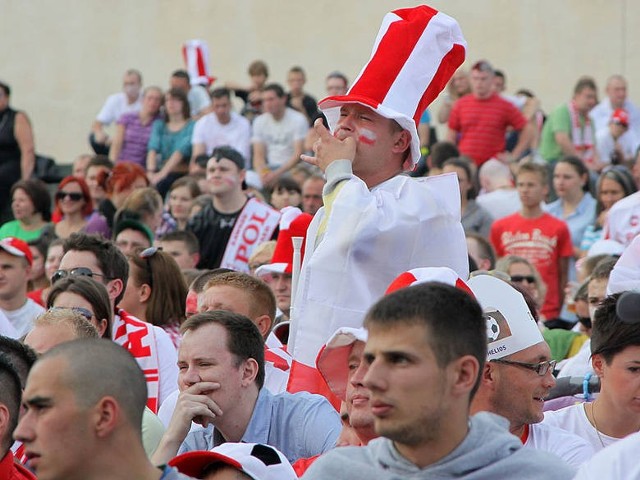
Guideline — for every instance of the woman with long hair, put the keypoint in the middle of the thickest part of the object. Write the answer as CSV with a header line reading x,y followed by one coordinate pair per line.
x,y
31,207
181,194
118,184
170,142
156,291
74,207
615,357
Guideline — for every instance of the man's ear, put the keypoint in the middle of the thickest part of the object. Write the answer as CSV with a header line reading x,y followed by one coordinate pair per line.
x,y
402,141
106,415
249,371
114,288
263,322
465,372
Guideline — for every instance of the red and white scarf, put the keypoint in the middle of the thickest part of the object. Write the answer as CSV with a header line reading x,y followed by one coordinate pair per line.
x,y
582,135
254,226
139,339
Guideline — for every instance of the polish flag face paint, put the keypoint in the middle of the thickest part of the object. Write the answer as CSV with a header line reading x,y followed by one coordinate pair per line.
x,y
367,137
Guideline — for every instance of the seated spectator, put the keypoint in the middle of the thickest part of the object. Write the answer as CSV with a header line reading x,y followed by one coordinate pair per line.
x,y
98,164
261,255
170,142
156,292
252,95
130,233
118,184
129,100
440,152
617,143
297,98
130,142
481,251
524,275
312,194
80,164
226,396
52,258
31,207
197,95
498,194
147,204
75,208
475,219
614,184
57,326
183,246
286,192
458,87
615,347
181,194
38,278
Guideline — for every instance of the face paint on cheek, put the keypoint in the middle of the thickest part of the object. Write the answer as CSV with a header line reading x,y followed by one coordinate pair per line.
x,y
192,303
367,137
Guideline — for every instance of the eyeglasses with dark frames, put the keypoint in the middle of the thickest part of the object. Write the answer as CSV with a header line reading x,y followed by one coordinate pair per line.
x,y
522,278
76,272
540,368
73,196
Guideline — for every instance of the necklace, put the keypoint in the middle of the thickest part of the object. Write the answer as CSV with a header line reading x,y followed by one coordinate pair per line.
x,y
595,424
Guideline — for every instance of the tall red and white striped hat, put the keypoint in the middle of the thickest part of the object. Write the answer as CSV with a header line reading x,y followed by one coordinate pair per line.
x,y
416,52
428,274
196,60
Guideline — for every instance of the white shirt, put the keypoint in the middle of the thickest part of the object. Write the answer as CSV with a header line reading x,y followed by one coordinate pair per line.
x,y
115,106
623,220
601,115
237,134
578,365
500,203
574,419
279,136
23,317
618,461
199,99
6,327
568,446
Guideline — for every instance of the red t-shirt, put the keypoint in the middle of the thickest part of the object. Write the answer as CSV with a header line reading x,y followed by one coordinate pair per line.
x,y
482,124
12,470
543,241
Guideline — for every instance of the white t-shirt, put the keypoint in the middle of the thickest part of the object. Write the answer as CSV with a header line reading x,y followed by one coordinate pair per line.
x,y
568,446
617,461
279,137
237,134
574,419
115,106
623,220
578,365
500,203
605,143
199,99
23,317
6,327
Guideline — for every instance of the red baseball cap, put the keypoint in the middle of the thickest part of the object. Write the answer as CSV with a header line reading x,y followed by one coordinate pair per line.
x,y
621,117
17,248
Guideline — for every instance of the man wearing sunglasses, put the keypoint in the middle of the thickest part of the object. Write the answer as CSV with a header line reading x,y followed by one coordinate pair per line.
x,y
519,372
15,265
100,259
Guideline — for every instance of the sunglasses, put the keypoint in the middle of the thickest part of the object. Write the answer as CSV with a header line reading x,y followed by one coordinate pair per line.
x,y
73,196
540,368
75,272
81,310
146,254
522,278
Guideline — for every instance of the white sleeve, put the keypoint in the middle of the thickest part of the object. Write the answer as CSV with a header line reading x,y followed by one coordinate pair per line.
x,y
6,327
258,127
244,140
201,99
167,364
198,135
109,112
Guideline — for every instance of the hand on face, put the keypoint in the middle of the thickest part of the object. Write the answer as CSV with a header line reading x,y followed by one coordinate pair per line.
x,y
194,405
329,148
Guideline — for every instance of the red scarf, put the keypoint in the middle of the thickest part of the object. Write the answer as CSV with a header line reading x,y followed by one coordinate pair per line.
x,y
582,135
139,339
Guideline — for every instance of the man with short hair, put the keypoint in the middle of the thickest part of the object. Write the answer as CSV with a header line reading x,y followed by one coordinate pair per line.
x,y
57,326
10,395
569,130
97,165
518,374
232,225
84,403
478,122
129,100
312,194
616,98
425,351
221,362
93,256
336,83
297,98
130,235
221,127
199,100
278,136
15,266
498,193
537,236
481,251
183,246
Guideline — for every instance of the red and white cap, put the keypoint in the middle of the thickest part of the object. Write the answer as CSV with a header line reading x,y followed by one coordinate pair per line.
x,y
428,274
17,248
416,52
620,116
293,223
196,59
258,461
333,359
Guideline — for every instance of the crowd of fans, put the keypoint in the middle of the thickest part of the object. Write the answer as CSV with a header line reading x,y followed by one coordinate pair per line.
x,y
173,240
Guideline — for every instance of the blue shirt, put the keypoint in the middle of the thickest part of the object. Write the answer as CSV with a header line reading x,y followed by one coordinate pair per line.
x,y
583,216
300,425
